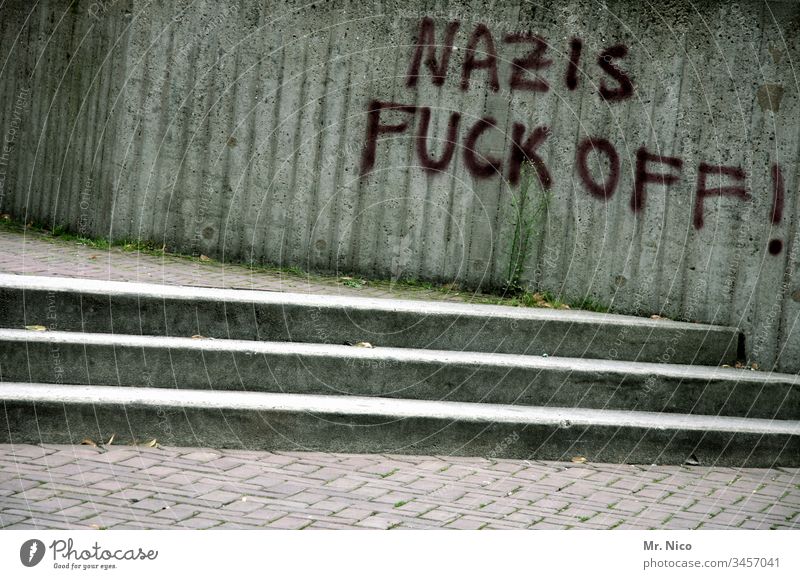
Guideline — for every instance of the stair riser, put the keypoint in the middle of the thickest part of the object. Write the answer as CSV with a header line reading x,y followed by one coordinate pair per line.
x,y
280,430
76,363
70,311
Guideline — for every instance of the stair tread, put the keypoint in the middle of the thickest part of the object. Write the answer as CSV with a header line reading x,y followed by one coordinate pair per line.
x,y
394,354
389,408
422,307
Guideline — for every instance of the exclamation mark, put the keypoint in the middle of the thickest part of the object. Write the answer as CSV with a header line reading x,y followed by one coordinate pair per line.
x,y
776,245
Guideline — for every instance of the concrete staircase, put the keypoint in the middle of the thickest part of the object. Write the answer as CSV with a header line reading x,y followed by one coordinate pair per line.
x,y
278,371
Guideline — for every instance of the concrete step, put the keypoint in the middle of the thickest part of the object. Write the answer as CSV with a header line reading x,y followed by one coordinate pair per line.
x,y
257,420
186,363
147,309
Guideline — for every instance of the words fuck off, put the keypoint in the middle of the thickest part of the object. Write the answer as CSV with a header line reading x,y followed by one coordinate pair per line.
x,y
534,71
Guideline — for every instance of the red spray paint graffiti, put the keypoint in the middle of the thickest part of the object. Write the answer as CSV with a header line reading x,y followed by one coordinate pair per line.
x,y
529,72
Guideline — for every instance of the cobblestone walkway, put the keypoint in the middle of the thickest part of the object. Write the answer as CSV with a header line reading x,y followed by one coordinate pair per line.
x,y
54,487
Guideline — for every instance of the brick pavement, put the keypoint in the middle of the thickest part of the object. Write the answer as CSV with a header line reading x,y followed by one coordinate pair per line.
x,y
53,487
76,487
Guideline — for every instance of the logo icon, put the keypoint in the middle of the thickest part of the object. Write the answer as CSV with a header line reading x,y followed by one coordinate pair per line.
x,y
31,552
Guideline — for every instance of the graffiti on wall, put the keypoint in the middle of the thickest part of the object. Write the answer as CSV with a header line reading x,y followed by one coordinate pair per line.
x,y
535,71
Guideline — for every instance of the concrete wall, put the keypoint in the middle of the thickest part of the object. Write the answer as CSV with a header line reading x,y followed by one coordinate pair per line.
x,y
243,130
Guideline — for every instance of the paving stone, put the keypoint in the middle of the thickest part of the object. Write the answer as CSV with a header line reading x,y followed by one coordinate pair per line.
x,y
628,526
522,519
241,506
438,515
35,494
103,522
27,450
264,515
152,504
201,456
754,524
18,484
355,514
327,473
301,468
176,512
221,497
549,504
289,522
605,521
114,485
728,519
345,484
545,525
579,513
132,494
8,520
266,481
236,526
198,523
655,512
379,522
286,489
630,506
224,463
332,505
310,497
363,493
327,526
467,523
245,471
53,504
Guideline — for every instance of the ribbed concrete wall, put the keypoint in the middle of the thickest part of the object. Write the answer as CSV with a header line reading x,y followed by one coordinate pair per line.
x,y
243,130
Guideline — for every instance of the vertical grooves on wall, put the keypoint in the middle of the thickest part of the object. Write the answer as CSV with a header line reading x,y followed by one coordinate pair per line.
x,y
115,151
659,294
251,155
87,220
19,176
166,197
29,195
334,236
229,215
188,174
134,191
103,192
70,80
287,251
49,146
82,139
321,129
352,258
265,207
